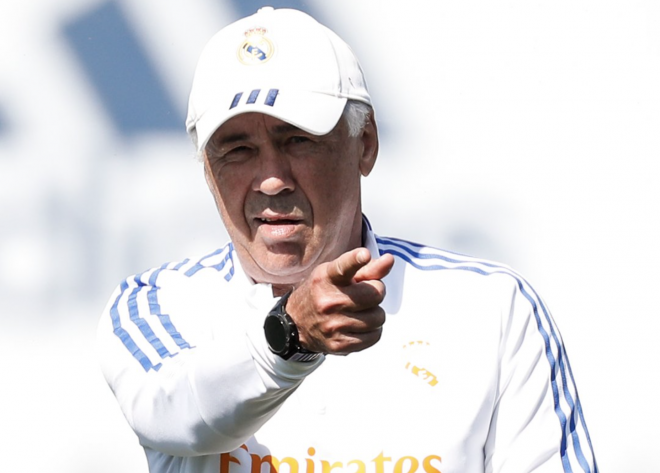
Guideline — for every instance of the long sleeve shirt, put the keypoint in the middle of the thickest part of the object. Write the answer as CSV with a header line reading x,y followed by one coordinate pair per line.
x,y
470,375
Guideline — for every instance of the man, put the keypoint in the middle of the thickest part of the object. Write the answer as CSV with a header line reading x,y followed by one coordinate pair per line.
x,y
228,363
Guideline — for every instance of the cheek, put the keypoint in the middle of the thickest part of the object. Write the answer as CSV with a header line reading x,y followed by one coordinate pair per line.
x,y
344,171
335,185
230,201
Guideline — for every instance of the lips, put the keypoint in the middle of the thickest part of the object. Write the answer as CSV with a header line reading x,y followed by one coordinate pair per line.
x,y
277,227
278,220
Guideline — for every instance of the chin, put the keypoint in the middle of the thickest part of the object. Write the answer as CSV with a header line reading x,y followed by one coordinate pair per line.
x,y
284,269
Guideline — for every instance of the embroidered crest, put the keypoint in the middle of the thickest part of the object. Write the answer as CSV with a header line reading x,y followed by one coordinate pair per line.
x,y
418,368
257,48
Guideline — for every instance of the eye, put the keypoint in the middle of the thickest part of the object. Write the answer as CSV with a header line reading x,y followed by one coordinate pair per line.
x,y
237,153
239,149
299,139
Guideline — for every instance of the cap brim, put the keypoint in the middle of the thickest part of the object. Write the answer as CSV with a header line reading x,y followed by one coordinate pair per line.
x,y
313,112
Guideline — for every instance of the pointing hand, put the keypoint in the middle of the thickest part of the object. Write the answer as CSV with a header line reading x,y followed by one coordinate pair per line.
x,y
337,309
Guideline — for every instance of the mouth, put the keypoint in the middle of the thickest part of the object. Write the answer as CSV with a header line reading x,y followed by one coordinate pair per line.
x,y
278,228
278,221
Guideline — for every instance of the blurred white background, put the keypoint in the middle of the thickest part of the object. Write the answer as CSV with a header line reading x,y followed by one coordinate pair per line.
x,y
522,131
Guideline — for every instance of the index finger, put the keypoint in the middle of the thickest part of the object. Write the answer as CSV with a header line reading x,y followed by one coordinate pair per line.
x,y
342,270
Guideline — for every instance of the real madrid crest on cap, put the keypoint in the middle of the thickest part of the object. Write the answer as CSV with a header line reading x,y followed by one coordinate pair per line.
x,y
256,49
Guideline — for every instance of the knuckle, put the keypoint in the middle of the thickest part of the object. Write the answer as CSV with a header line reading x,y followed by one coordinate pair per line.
x,y
371,338
317,277
382,289
331,328
380,316
377,334
335,346
372,291
325,303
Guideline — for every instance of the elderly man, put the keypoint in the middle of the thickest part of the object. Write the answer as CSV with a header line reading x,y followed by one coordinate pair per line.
x,y
227,363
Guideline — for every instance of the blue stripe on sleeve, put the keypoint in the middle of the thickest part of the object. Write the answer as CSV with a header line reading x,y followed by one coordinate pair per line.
x,y
125,338
155,309
149,289
200,264
230,272
180,265
405,250
221,265
142,324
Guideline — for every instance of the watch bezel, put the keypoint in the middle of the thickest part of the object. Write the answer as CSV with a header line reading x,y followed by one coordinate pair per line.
x,y
281,330
280,334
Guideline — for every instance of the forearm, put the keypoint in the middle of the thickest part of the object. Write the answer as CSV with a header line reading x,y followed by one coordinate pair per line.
x,y
206,398
203,402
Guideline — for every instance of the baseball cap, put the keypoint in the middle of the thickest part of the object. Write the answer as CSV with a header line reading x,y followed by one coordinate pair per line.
x,y
280,62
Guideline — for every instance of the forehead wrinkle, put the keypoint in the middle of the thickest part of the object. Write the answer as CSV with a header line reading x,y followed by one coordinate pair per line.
x,y
283,128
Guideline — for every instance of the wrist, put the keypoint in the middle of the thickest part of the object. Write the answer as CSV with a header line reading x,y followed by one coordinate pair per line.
x,y
283,336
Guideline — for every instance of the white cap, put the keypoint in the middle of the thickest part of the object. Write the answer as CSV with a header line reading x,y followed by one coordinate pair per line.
x,y
279,62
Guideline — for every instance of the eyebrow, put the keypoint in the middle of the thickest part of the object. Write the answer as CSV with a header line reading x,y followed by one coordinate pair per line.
x,y
215,144
235,137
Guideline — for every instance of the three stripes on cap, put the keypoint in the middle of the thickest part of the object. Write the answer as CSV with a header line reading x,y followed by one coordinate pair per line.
x,y
254,95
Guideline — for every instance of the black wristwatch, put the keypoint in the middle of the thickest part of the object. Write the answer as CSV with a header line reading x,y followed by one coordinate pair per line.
x,y
282,334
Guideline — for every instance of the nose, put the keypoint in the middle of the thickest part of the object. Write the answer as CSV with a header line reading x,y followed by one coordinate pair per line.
x,y
274,174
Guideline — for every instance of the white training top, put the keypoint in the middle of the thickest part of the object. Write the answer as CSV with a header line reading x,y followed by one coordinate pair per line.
x,y
470,375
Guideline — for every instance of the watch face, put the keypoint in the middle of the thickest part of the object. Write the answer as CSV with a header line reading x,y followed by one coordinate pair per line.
x,y
276,335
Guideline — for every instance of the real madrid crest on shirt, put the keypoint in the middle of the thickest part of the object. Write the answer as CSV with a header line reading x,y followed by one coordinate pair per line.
x,y
256,49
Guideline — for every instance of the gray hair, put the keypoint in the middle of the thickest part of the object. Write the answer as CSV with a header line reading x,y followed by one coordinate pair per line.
x,y
355,113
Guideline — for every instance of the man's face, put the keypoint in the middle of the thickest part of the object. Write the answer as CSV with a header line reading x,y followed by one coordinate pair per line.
x,y
290,200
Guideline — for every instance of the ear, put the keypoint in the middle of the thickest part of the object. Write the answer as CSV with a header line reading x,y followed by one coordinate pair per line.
x,y
369,137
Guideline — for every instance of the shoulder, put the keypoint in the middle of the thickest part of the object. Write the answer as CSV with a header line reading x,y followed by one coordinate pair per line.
x,y
159,312
431,259
433,280
214,264
219,262
183,280
427,268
